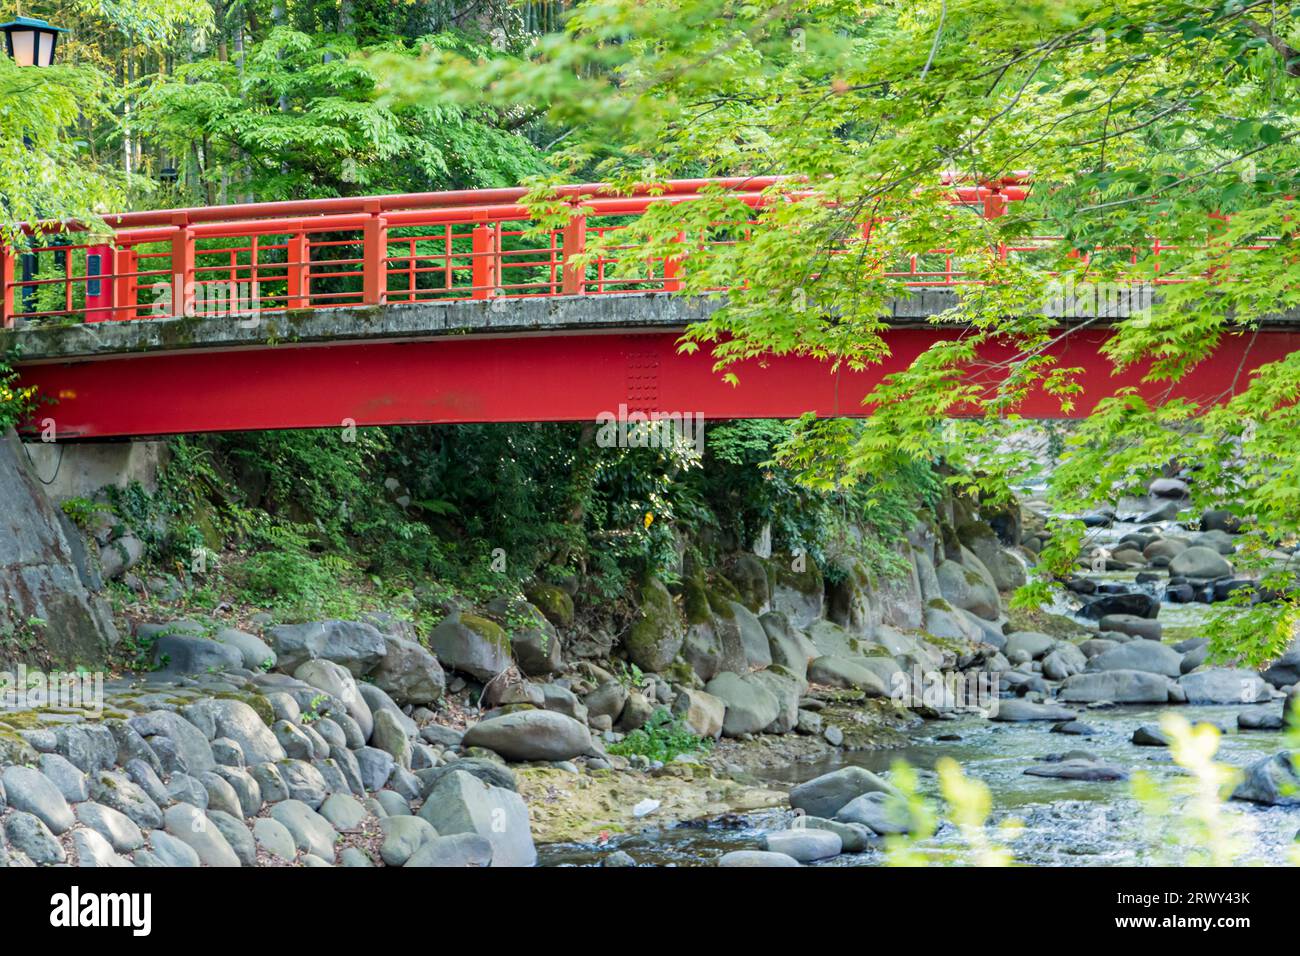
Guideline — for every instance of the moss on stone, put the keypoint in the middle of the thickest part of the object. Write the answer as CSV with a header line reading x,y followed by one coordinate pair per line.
x,y
554,602
490,631
655,637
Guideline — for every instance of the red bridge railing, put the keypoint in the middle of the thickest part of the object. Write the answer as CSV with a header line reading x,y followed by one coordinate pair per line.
x,y
228,260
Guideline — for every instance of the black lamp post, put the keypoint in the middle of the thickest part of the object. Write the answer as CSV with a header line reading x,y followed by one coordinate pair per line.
x,y
30,42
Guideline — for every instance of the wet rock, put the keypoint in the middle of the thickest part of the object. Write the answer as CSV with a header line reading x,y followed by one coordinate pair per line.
x,y
1149,735
824,796
1117,686
1031,644
1224,686
1200,562
1142,655
747,858
804,845
1024,710
1074,728
1259,719
1078,769
1132,625
881,813
1134,603
1272,781
1217,519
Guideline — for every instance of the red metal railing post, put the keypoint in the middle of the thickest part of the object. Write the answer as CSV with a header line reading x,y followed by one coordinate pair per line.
x,y
673,268
299,256
126,284
184,287
575,243
374,255
7,312
99,282
483,267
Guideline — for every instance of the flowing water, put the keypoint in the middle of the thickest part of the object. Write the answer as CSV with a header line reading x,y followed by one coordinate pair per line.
x,y
1062,822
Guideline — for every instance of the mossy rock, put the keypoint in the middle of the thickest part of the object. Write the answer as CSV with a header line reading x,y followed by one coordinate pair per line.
x,y
695,600
657,633
490,631
554,602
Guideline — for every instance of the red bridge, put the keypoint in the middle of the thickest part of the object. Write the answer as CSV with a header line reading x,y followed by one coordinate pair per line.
x,y
441,307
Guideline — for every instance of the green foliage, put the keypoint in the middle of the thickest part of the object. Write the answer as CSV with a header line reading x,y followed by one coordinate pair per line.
x,y
662,738
1137,118
16,401
299,118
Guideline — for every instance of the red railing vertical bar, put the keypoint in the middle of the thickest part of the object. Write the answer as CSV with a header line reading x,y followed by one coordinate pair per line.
x,y
374,250
298,254
99,282
575,244
183,277
7,311
483,268
673,267
126,284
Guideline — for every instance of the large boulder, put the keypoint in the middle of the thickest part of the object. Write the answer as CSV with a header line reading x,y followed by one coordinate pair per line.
x,y
553,601
826,795
531,735
408,673
750,707
461,803
1117,686
1199,561
702,712
657,632
753,638
187,654
1140,655
1285,671
40,579
1135,603
1007,570
472,645
843,672
1221,685
964,587
1030,643
1272,781
798,589
788,646
354,644
257,654
749,576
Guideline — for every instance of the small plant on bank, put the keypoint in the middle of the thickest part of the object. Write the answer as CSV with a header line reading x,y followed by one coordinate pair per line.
x,y
662,738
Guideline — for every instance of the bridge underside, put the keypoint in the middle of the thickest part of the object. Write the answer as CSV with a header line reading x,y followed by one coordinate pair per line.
x,y
402,365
